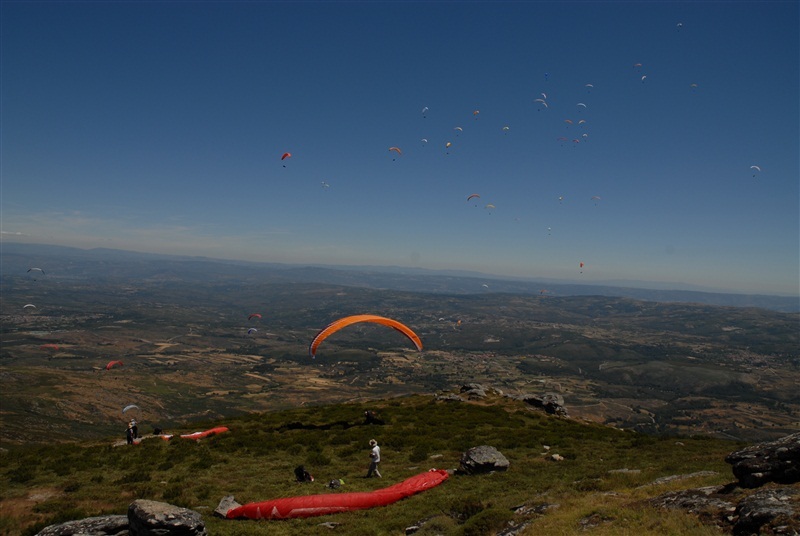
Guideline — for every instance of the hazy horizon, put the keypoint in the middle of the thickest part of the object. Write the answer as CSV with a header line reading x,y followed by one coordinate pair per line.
x,y
668,286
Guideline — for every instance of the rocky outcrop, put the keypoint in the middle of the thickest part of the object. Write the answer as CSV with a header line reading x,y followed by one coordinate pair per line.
x,y
115,525
145,518
473,391
483,459
711,504
778,509
737,509
153,518
776,461
551,403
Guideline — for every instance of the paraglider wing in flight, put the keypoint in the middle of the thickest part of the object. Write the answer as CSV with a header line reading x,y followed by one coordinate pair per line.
x,y
348,320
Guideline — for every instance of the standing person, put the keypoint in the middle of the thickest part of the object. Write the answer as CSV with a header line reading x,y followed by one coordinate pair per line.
x,y
134,429
129,434
374,459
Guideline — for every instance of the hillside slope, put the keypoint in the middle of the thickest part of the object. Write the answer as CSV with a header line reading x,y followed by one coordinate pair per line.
x,y
604,479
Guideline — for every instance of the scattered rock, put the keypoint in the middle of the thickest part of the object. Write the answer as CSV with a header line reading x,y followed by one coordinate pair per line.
x,y
537,509
449,398
116,525
557,457
670,478
153,518
776,461
411,529
514,529
594,520
483,459
710,503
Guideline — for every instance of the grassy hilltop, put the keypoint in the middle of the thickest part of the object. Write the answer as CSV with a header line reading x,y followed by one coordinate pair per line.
x,y
602,482
698,380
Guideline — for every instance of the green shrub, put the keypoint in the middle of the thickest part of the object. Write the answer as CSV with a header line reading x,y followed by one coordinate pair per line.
x,y
487,522
463,508
21,474
137,475
173,493
317,459
202,464
419,453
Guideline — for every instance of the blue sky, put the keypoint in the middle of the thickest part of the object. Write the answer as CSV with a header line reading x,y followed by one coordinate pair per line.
x,y
159,126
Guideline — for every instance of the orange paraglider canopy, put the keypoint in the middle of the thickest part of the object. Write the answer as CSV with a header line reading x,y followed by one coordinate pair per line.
x,y
286,155
348,320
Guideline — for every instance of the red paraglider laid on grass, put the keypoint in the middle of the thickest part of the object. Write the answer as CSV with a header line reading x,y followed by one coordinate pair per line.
x,y
332,503
207,433
198,435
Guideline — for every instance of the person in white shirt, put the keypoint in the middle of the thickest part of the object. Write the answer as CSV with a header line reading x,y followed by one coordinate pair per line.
x,y
374,459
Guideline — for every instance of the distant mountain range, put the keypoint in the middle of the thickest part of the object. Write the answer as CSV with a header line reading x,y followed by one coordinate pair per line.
x,y
60,262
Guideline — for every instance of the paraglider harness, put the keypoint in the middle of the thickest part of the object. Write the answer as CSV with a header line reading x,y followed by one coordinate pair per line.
x,y
301,475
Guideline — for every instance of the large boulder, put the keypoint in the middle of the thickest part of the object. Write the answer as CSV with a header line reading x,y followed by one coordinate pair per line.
x,y
114,525
153,518
776,461
483,459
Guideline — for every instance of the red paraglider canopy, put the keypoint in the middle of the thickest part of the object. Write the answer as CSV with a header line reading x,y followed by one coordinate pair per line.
x,y
207,433
332,503
112,364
